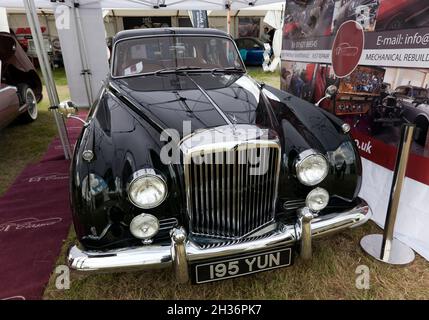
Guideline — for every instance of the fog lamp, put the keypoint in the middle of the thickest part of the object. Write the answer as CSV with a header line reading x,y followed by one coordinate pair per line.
x,y
317,199
144,226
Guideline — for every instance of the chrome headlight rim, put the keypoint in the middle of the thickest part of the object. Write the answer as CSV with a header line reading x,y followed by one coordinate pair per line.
x,y
301,158
141,174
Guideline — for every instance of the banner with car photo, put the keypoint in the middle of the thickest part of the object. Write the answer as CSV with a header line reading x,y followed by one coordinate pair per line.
x,y
376,53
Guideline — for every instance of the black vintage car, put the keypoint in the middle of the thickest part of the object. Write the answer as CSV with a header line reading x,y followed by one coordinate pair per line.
x,y
187,162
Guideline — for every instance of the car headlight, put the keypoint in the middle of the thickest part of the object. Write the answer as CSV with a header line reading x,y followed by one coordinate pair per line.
x,y
311,167
147,189
144,226
317,199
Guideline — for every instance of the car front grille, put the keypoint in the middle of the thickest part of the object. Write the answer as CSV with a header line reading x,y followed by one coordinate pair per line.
x,y
230,193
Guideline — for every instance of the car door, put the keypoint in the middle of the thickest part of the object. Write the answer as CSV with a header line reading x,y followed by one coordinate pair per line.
x,y
9,104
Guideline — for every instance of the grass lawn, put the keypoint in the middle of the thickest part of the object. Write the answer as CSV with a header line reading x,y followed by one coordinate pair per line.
x,y
22,144
331,274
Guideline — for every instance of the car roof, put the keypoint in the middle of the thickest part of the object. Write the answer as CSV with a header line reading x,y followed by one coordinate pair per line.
x,y
159,31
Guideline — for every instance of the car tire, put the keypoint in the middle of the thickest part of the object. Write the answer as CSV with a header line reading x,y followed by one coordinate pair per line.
x,y
27,97
422,125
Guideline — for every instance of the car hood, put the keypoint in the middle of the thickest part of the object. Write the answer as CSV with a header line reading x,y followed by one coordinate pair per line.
x,y
206,100
167,101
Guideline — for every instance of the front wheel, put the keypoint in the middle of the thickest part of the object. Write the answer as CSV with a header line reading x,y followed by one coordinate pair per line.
x,y
422,125
28,99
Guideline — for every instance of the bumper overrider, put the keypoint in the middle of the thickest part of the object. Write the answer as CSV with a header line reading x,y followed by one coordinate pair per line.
x,y
183,251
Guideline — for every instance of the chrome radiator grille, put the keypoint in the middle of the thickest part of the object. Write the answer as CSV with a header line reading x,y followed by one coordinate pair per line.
x,y
231,193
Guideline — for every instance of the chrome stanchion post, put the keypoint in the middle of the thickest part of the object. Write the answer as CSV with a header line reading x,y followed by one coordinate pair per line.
x,y
385,247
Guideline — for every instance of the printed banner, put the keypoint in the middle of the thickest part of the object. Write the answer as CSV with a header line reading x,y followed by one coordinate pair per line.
x,y
402,48
376,53
199,18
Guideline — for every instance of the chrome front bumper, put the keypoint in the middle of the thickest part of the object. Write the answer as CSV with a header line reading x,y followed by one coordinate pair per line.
x,y
183,250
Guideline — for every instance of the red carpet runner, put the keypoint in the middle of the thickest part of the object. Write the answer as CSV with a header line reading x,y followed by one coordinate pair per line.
x,y
35,219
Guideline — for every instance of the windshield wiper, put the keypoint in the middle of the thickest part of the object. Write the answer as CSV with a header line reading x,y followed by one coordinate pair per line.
x,y
178,69
227,70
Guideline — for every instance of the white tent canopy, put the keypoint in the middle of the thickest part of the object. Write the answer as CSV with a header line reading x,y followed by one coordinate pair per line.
x,y
154,4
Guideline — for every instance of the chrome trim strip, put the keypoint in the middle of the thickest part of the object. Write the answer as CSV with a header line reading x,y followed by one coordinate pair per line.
x,y
159,256
139,258
9,88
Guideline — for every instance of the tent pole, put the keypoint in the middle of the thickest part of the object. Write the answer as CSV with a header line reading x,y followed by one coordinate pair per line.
x,y
86,72
228,20
33,21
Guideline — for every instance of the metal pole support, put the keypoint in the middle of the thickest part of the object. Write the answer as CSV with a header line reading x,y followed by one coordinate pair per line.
x,y
384,247
228,17
34,24
86,73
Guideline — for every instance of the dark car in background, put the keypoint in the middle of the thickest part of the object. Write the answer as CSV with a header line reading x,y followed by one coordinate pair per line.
x,y
386,110
402,14
20,85
186,162
415,108
251,50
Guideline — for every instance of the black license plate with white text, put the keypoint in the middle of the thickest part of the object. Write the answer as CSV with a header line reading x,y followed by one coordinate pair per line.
x,y
240,266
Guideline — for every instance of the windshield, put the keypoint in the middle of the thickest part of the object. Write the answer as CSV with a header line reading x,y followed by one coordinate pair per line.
x,y
148,55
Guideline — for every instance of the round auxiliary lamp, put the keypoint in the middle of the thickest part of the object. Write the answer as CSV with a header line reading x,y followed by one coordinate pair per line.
x,y
384,247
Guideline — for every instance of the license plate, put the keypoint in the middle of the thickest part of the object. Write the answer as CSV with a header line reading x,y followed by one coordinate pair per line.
x,y
240,266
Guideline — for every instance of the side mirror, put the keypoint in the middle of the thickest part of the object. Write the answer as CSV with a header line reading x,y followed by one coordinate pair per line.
x,y
67,108
331,91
